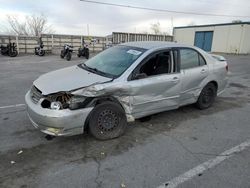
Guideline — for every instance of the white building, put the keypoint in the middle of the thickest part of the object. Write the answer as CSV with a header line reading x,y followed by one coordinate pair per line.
x,y
225,38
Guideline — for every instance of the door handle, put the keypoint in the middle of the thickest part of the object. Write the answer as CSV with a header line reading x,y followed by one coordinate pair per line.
x,y
203,71
175,79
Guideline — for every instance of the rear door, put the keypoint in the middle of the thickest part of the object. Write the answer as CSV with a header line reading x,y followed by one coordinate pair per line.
x,y
193,71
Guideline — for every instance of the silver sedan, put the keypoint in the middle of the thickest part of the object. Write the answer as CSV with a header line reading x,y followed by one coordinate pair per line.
x,y
124,83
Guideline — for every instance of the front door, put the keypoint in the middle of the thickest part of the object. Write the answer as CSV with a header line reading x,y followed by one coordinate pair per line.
x,y
156,85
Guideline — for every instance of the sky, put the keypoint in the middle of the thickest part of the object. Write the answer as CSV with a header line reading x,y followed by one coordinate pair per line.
x,y
73,16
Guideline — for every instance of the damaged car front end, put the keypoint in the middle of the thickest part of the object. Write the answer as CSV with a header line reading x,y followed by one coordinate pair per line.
x,y
59,114
60,102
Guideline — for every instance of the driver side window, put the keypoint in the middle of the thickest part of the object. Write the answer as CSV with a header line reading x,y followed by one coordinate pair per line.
x,y
160,63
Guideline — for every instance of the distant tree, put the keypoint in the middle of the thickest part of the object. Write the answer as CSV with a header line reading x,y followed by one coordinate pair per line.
x,y
155,27
236,21
33,25
165,33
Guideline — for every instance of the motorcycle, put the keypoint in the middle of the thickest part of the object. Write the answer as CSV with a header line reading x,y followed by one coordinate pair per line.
x,y
84,51
9,50
67,52
39,50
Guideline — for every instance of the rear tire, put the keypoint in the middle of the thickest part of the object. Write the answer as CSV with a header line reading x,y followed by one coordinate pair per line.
x,y
207,96
36,53
62,54
79,52
107,121
42,53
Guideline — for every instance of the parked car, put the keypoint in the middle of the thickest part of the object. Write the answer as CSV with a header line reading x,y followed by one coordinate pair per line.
x,y
121,84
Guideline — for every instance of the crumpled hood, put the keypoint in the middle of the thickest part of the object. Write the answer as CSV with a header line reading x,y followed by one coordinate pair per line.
x,y
67,79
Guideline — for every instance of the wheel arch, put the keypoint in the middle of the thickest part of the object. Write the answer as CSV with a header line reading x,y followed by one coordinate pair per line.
x,y
98,100
214,83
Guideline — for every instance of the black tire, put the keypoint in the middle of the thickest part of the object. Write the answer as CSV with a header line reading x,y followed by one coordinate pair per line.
x,y
4,51
42,53
13,53
87,54
62,54
68,56
79,52
207,96
107,121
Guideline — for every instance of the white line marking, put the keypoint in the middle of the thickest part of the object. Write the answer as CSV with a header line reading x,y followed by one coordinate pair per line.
x,y
205,166
12,106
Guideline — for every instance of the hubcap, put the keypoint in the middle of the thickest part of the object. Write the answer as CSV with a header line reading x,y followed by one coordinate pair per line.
x,y
107,120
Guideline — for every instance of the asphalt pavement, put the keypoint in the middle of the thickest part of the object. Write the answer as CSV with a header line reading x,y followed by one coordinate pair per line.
x,y
186,147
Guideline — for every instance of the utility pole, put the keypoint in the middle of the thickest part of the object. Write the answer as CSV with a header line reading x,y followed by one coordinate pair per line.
x,y
88,29
172,25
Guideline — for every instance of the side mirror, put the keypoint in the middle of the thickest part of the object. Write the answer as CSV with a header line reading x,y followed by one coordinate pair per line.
x,y
140,76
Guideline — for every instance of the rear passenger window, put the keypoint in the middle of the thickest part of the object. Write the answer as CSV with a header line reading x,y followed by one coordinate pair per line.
x,y
202,61
190,59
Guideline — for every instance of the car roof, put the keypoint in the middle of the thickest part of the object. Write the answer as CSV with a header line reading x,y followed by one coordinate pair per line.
x,y
154,44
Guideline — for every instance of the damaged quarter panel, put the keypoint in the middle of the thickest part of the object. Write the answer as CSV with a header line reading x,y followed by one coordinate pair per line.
x,y
121,91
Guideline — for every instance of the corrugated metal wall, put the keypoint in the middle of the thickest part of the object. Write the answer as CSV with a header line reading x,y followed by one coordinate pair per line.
x,y
233,39
119,37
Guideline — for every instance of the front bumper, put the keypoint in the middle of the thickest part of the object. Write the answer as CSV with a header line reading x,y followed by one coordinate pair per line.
x,y
64,122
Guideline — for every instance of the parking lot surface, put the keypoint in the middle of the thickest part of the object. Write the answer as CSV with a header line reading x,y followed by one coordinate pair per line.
x,y
185,148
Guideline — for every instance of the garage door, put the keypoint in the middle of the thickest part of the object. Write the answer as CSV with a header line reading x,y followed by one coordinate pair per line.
x,y
203,40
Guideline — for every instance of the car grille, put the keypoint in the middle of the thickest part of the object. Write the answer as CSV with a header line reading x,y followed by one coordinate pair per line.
x,y
35,94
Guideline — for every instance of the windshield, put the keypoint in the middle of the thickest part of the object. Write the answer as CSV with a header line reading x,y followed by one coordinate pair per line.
x,y
113,61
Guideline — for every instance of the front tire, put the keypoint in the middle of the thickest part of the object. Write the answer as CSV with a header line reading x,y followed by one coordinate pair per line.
x,y
13,53
207,96
87,54
107,121
68,56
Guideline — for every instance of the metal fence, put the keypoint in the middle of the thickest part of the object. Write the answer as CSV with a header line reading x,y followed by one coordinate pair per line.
x,y
118,37
54,43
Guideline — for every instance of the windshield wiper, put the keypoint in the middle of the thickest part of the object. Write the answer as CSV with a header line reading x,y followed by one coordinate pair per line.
x,y
92,69
95,70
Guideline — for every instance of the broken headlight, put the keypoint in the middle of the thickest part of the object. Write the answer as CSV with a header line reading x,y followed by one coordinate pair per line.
x,y
56,105
77,102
